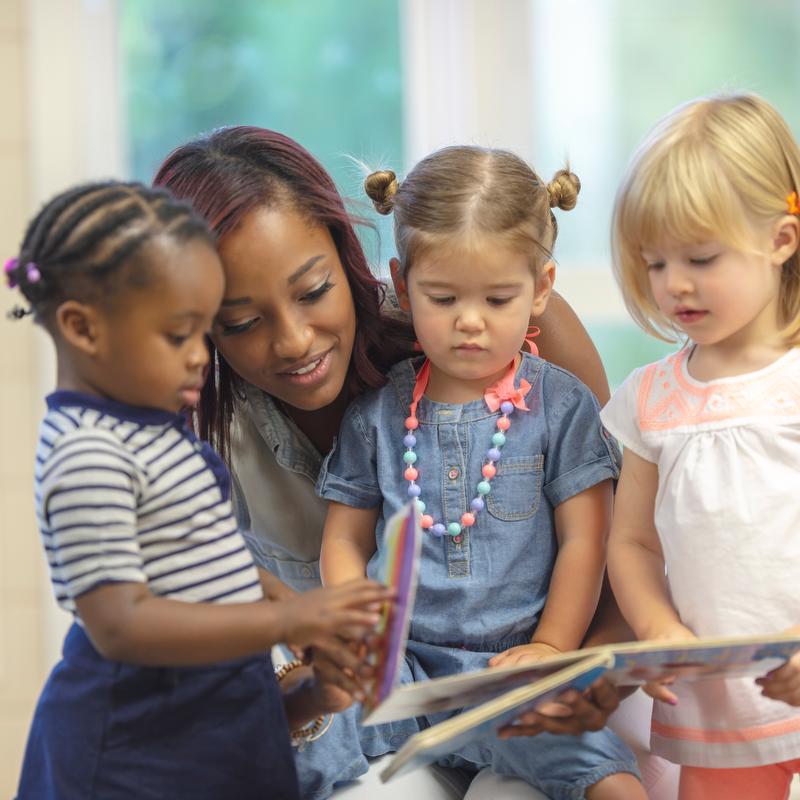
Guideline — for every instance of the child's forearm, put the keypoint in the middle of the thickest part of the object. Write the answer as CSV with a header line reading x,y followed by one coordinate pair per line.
x,y
341,560
639,583
348,542
127,623
573,594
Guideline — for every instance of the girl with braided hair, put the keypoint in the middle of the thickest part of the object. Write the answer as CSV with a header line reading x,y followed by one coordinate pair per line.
x,y
166,688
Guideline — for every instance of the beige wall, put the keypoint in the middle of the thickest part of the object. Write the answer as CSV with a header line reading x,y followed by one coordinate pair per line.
x,y
59,92
22,594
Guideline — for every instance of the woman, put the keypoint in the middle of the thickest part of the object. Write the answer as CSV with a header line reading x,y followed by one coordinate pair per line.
x,y
302,329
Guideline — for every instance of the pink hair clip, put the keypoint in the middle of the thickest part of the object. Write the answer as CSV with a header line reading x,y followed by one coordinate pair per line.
x,y
8,268
32,272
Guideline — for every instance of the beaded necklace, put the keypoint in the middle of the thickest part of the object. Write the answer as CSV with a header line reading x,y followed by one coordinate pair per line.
x,y
502,396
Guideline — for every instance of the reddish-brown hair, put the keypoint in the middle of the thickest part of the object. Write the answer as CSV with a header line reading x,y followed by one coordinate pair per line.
x,y
229,173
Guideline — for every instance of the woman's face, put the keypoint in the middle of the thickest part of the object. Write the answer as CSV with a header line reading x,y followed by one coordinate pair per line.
x,y
287,321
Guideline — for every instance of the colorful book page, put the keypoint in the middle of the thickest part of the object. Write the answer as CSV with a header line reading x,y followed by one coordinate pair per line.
x,y
398,570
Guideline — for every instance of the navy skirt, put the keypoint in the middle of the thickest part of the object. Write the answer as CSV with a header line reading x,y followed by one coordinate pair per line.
x,y
109,731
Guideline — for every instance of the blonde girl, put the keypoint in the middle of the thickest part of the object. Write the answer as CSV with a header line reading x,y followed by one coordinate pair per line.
x,y
706,533
504,453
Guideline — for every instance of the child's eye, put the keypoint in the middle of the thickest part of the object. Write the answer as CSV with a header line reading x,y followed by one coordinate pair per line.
x,y
441,300
705,260
498,301
654,266
316,294
176,339
239,327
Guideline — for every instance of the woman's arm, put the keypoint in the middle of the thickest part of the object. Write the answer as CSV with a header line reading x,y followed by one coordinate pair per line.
x,y
565,342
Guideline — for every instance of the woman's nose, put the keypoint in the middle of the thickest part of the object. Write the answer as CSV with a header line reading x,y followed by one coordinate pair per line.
x,y
292,339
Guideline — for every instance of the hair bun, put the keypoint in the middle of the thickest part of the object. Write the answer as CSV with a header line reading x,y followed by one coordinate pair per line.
x,y
564,189
381,187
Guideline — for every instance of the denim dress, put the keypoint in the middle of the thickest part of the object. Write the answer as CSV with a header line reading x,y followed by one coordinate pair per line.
x,y
482,592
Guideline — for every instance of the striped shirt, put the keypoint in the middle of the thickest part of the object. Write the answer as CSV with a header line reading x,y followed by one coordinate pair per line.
x,y
126,494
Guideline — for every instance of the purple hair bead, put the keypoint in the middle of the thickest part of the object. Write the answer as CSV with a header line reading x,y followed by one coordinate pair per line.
x,y
8,268
32,272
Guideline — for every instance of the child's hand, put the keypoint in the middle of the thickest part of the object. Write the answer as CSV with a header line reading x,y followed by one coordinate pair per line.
x,y
328,618
658,689
339,686
783,683
524,654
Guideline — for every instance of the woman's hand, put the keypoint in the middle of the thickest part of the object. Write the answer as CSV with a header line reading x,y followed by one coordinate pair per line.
x,y
573,712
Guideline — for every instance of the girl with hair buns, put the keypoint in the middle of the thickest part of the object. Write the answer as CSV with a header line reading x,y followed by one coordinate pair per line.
x,y
502,452
705,533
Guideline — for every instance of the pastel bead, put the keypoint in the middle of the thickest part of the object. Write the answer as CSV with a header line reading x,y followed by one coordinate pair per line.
x,y
409,440
414,490
411,473
467,519
503,424
454,529
498,439
409,456
421,506
477,504
493,454
507,407
489,471
484,487
412,423
426,521
438,529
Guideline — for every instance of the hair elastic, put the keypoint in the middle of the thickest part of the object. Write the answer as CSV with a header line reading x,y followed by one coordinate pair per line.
x,y
792,205
8,268
32,272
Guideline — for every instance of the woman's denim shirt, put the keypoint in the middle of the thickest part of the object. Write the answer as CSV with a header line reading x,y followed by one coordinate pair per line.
x,y
274,467
489,588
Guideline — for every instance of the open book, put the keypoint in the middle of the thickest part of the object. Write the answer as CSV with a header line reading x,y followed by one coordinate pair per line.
x,y
497,696
505,693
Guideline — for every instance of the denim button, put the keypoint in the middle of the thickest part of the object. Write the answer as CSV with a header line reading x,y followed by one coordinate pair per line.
x,y
306,572
453,474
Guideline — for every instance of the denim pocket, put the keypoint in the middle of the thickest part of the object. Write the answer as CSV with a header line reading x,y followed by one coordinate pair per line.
x,y
516,488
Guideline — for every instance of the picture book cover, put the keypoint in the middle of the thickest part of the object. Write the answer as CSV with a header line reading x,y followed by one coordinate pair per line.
x,y
399,570
627,664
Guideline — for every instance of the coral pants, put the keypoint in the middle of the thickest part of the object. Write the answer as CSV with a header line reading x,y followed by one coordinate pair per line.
x,y
770,782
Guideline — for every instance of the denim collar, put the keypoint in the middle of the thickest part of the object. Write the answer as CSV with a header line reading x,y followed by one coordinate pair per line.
x,y
292,448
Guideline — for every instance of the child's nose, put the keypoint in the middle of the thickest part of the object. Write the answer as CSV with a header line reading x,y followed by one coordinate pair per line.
x,y
678,281
469,319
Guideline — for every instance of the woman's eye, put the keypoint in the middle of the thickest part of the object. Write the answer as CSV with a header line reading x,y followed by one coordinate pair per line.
x,y
239,327
316,294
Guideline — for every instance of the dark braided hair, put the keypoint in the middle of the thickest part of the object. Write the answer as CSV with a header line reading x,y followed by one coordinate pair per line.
x,y
83,244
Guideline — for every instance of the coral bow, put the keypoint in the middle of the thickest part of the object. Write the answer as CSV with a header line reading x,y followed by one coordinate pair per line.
x,y
504,390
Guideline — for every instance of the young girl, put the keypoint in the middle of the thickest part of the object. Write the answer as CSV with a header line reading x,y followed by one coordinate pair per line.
x,y
705,534
504,453
166,688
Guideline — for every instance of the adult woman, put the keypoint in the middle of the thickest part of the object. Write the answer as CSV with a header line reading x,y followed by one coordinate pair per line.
x,y
300,332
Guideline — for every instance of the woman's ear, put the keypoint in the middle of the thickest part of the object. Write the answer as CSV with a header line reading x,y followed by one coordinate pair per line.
x,y
785,239
79,326
400,286
543,289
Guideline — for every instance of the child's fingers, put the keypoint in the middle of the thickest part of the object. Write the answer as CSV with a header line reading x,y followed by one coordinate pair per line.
x,y
659,691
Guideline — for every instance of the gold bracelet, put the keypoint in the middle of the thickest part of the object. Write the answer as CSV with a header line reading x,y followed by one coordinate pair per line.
x,y
314,729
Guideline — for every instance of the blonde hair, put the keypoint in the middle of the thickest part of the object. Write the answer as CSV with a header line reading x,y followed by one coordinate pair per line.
x,y
710,169
461,194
